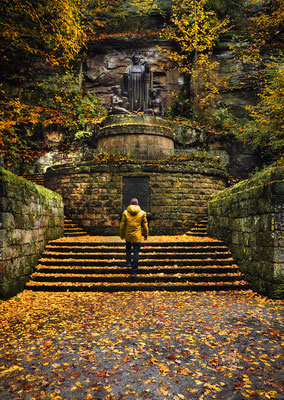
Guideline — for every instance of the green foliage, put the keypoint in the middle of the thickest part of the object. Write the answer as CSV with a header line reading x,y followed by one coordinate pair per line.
x,y
201,157
180,157
51,31
181,104
265,129
15,145
104,156
66,105
55,104
45,37
263,32
196,29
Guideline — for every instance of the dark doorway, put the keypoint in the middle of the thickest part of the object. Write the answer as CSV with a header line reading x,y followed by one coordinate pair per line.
x,y
136,186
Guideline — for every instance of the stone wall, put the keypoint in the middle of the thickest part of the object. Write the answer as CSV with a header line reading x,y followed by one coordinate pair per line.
x,y
30,216
93,193
249,217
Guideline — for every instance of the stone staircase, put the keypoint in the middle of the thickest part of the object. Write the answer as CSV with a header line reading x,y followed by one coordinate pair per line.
x,y
72,230
199,229
35,178
171,266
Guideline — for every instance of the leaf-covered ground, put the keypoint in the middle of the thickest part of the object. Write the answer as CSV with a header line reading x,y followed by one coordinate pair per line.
x,y
140,346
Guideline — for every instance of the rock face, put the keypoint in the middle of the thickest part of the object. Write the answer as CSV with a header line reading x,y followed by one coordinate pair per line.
x,y
237,88
30,216
249,218
95,194
107,60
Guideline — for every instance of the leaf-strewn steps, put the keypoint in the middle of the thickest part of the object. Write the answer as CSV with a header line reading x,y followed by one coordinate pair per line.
x,y
200,229
72,230
173,266
37,178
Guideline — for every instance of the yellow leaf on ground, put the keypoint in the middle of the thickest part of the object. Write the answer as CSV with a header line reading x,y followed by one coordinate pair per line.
x,y
11,369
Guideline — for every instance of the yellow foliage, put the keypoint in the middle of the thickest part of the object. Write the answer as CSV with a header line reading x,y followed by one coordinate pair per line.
x,y
196,30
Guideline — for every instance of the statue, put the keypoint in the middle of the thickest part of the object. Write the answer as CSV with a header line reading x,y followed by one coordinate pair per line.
x,y
135,84
156,105
117,103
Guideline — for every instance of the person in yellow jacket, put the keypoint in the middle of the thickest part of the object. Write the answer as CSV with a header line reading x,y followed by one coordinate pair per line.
x,y
133,226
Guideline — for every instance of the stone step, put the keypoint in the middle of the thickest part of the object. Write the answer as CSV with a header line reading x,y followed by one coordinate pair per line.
x,y
143,255
145,262
72,230
145,244
207,269
144,249
75,234
200,234
36,178
200,229
173,266
74,227
160,277
144,286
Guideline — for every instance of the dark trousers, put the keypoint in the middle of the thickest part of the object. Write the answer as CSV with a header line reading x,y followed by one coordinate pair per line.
x,y
133,261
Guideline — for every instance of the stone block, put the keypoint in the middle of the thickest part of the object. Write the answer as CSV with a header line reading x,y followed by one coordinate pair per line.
x,y
277,187
274,290
278,275
278,255
7,220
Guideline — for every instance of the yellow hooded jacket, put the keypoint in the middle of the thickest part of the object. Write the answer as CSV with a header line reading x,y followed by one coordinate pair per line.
x,y
133,224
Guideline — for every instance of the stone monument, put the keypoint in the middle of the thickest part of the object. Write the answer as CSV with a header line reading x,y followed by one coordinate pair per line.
x,y
136,82
134,124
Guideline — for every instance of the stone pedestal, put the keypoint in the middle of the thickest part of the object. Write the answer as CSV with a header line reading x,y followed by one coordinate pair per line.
x,y
143,136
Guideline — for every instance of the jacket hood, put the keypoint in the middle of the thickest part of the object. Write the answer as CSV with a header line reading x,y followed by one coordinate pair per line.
x,y
133,209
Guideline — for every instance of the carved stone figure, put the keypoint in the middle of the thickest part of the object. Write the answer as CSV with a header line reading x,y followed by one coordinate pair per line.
x,y
156,104
117,103
135,84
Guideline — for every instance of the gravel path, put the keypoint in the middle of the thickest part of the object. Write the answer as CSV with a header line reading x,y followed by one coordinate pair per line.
x,y
140,346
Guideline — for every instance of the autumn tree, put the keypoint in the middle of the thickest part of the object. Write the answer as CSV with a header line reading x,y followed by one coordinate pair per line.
x,y
261,45
30,30
265,129
195,30
263,32
40,41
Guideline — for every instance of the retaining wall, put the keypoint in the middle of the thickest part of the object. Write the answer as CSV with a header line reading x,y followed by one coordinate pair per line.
x,y
249,217
93,194
30,216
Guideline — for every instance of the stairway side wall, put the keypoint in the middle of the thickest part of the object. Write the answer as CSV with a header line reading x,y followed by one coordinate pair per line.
x,y
93,194
249,218
30,216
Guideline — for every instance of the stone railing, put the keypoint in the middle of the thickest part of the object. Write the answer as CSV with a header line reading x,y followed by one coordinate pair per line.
x,y
249,218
